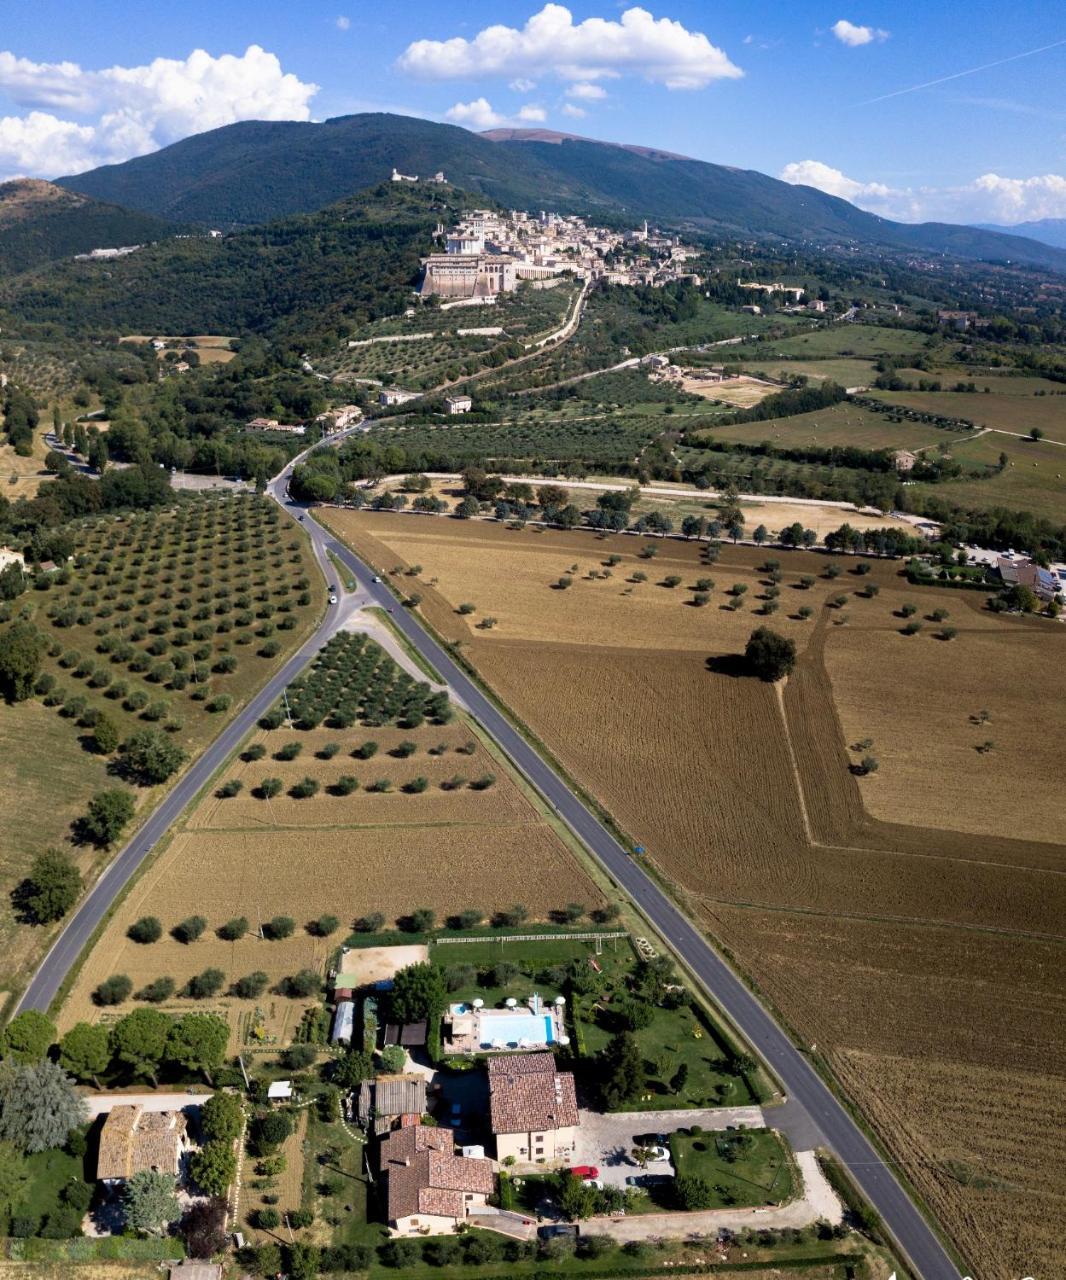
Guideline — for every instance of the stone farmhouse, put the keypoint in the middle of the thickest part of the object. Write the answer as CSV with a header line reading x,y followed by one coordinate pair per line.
x,y
133,1140
532,1108
428,1188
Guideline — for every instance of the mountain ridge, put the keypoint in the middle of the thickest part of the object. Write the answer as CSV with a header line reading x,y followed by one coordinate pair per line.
x,y
1050,231
255,171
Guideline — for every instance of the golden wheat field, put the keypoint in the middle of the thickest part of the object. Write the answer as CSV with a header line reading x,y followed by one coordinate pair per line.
x,y
914,916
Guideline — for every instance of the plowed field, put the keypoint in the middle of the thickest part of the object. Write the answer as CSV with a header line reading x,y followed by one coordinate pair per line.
x,y
909,922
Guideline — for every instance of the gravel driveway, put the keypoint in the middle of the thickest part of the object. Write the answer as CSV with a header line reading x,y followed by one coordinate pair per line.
x,y
607,1140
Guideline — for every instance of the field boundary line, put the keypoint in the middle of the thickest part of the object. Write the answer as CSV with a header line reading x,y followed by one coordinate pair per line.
x,y
534,937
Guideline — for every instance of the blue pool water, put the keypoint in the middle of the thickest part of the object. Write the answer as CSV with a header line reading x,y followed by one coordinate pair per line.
x,y
511,1027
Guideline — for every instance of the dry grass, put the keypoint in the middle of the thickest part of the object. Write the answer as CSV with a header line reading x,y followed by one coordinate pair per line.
x,y
911,922
287,1186
1008,412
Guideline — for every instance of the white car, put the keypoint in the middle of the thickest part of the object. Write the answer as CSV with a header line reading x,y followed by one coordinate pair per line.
x,y
375,578
594,1182
333,599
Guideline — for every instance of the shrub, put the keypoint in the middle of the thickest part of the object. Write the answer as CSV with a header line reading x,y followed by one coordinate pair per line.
x,y
113,990
279,927
251,986
300,985
189,929
233,929
323,926
146,929
157,991
204,985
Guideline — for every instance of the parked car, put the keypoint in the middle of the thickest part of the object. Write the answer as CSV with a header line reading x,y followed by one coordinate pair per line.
x,y
659,1153
651,1140
585,1171
594,1182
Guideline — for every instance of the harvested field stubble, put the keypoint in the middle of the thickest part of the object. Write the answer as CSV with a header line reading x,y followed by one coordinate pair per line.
x,y
921,943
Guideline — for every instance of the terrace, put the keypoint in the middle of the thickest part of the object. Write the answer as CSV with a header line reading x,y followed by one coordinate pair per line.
x,y
470,1028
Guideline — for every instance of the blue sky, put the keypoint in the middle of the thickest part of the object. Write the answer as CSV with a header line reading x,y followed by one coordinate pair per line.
x,y
804,90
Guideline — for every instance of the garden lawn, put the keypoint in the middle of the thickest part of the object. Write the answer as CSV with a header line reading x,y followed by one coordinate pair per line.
x,y
332,1156
743,1168
49,1171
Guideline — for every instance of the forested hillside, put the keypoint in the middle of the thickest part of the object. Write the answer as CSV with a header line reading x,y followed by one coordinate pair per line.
x,y
41,222
307,275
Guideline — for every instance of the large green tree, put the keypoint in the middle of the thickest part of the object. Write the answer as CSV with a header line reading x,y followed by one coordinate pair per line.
x,y
151,1202
221,1117
149,756
107,815
622,1071
769,655
39,1106
198,1042
28,1037
85,1051
52,887
214,1167
139,1041
21,649
417,992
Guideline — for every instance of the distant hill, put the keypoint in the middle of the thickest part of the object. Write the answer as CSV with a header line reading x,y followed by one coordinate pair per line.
x,y
315,274
1050,231
41,222
254,171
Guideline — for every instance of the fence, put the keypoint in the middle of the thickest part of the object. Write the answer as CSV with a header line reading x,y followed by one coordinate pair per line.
x,y
534,937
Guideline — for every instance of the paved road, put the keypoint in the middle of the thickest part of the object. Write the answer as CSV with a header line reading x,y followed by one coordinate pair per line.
x,y
812,1109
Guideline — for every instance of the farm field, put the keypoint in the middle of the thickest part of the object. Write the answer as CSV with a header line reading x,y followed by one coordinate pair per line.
x,y
844,370
1034,478
867,907
840,425
174,650
841,340
1011,412
454,830
212,348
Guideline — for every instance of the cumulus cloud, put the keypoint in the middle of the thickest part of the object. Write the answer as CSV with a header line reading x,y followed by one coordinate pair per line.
x,y
343,23
853,35
475,115
660,50
574,112
522,85
586,91
129,111
988,198
480,114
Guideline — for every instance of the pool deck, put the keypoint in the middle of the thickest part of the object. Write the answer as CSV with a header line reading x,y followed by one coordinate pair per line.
x,y
469,1031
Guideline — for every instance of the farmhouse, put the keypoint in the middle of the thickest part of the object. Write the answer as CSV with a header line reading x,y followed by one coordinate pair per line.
x,y
904,460
429,1189
1042,582
457,404
134,1140
396,395
388,1102
532,1108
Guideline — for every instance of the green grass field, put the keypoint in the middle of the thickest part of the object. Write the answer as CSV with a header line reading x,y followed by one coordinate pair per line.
x,y
848,372
842,424
1034,479
861,340
748,1168
1018,413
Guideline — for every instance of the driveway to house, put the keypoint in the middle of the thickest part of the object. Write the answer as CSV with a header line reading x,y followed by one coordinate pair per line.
x,y
606,1141
818,1202
101,1103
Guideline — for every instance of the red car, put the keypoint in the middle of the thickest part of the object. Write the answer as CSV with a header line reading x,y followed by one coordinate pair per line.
x,y
585,1171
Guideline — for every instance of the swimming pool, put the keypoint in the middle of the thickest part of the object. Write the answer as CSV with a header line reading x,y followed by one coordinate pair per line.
x,y
511,1027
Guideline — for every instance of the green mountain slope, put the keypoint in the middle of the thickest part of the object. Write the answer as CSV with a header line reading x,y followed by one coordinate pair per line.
x,y
41,222
254,171
1047,230
307,275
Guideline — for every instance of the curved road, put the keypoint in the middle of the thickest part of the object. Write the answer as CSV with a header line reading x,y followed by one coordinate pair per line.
x,y
812,1109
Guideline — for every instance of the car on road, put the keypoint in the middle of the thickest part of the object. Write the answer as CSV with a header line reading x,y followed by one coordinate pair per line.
x,y
585,1171
333,598
375,578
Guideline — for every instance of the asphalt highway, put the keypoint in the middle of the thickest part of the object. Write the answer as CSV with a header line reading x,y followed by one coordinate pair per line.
x,y
812,1109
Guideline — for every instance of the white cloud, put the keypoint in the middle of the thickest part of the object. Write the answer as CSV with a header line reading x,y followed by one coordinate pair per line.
x,y
522,85
343,23
586,91
853,36
989,198
813,173
660,50
575,113
480,114
129,111
475,115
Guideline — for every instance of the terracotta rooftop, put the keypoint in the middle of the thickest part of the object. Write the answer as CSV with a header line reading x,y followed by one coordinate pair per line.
x,y
133,1140
426,1176
528,1095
